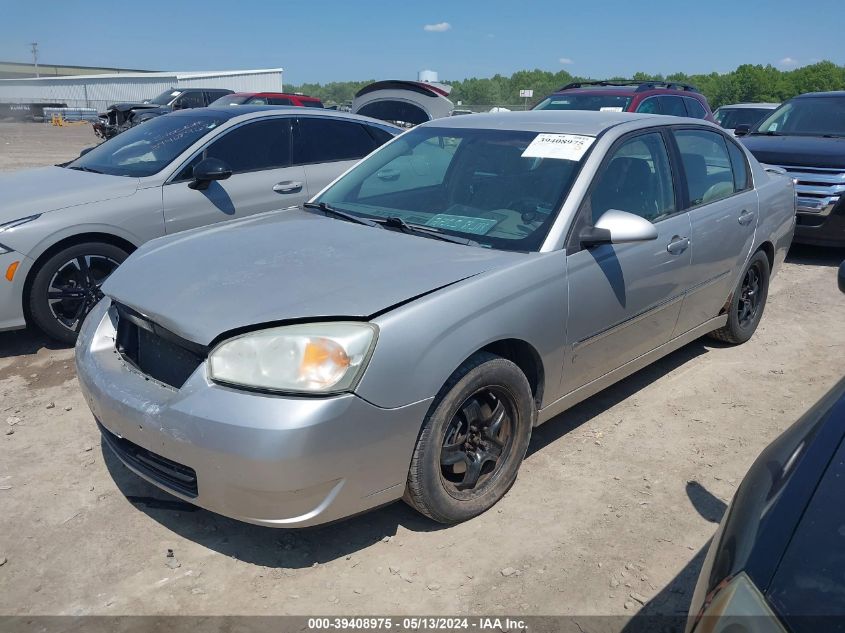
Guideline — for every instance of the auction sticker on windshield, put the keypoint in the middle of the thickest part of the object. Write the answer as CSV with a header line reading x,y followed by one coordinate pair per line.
x,y
562,146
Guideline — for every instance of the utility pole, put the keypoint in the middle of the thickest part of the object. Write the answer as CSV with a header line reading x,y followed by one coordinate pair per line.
x,y
34,46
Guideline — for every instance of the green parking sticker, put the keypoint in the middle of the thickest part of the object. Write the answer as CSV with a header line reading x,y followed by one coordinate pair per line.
x,y
462,223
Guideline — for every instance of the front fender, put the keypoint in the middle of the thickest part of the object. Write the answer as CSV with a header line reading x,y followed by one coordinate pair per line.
x,y
422,343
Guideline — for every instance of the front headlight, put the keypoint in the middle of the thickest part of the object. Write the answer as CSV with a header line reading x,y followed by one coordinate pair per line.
x,y
308,358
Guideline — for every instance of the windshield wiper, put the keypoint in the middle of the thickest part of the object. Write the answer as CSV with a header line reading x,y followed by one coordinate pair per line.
x,y
769,133
426,231
88,169
343,215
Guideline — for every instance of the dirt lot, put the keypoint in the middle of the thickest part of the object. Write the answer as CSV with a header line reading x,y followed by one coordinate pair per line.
x,y
618,495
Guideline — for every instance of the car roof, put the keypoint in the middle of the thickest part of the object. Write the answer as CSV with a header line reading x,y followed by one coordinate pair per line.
x,y
588,122
770,106
830,93
269,93
250,111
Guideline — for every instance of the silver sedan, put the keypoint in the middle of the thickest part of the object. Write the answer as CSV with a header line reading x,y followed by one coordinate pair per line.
x,y
402,334
64,229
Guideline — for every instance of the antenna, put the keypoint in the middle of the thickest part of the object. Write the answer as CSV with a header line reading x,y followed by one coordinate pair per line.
x,y
34,46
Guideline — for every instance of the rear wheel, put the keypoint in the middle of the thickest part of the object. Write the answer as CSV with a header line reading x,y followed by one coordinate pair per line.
x,y
67,286
472,442
747,302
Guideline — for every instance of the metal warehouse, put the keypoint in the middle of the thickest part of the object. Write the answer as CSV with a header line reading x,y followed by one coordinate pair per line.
x,y
99,91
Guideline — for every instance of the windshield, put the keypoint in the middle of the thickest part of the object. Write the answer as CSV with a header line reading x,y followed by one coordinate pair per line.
x,y
165,97
232,100
807,116
149,147
488,186
606,103
732,118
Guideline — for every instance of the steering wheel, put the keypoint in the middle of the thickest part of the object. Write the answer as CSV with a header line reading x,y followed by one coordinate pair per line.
x,y
527,207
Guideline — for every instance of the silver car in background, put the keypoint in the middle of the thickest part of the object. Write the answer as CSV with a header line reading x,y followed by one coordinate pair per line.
x,y
64,229
402,334
742,115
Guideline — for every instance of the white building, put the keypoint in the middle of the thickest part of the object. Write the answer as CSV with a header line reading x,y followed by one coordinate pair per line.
x,y
99,91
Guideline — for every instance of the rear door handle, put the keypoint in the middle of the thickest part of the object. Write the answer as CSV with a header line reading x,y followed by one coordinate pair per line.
x,y
287,186
745,217
678,245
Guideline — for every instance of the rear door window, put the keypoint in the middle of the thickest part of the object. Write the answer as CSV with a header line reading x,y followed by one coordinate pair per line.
x,y
707,165
319,140
279,101
694,108
740,167
672,105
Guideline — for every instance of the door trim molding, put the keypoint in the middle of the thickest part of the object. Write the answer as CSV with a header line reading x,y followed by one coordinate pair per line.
x,y
582,393
613,329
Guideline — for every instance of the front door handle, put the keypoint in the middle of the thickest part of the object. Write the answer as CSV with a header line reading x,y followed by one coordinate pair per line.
x,y
287,186
745,217
678,245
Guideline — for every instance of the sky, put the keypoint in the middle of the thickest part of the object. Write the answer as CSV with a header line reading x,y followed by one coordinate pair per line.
x,y
332,40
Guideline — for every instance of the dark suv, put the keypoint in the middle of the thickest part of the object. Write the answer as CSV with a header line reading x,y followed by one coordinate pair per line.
x,y
806,137
121,116
651,97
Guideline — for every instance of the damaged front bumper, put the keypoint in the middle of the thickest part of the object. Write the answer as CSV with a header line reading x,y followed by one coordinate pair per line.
x,y
271,460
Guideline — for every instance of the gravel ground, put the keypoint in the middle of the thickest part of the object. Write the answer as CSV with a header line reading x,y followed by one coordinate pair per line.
x,y
619,495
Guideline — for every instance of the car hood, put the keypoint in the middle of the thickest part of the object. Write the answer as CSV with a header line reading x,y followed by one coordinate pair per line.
x,y
124,107
798,151
283,266
32,191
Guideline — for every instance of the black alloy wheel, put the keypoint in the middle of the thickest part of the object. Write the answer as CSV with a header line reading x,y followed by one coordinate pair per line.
x,y
75,288
66,287
476,442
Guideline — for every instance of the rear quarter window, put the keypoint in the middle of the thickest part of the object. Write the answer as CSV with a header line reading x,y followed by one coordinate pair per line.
x,y
694,108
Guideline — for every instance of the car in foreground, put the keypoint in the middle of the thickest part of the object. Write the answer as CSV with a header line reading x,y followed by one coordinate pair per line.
x,y
402,333
119,117
742,114
647,97
64,229
776,562
806,137
268,98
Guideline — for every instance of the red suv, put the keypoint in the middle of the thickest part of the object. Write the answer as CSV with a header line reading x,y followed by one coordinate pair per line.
x,y
268,98
651,97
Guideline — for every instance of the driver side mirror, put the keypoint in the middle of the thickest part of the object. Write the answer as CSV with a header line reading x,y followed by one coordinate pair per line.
x,y
618,227
209,169
742,130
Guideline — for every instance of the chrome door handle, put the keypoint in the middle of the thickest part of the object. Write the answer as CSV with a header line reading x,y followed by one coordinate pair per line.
x,y
287,186
678,245
745,217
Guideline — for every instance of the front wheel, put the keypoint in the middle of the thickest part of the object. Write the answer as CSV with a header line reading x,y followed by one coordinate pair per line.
x,y
472,442
747,302
67,286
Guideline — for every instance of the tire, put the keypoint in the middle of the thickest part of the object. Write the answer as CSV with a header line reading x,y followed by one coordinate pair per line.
x,y
747,302
494,395
62,292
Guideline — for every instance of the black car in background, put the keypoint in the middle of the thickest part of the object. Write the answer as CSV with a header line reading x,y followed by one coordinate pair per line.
x,y
806,137
121,116
777,561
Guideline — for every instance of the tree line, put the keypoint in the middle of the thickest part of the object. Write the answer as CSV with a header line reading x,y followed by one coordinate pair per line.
x,y
748,83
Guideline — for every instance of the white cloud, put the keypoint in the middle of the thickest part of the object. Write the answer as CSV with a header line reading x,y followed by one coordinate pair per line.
x,y
788,61
437,28
566,61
